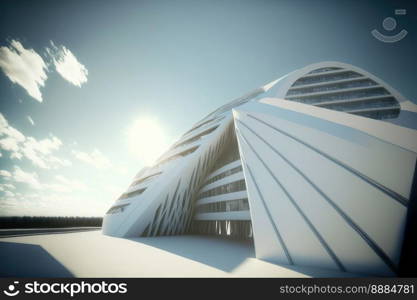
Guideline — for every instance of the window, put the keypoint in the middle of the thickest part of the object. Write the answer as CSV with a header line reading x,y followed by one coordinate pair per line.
x,y
204,123
224,174
181,154
117,209
236,229
197,137
131,194
224,206
145,178
380,114
332,87
235,186
321,70
326,78
337,95
375,103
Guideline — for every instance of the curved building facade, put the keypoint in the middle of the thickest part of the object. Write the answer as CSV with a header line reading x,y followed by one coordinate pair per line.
x,y
299,166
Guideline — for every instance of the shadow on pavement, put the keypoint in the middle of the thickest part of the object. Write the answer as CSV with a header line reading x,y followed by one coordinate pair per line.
x,y
219,253
28,260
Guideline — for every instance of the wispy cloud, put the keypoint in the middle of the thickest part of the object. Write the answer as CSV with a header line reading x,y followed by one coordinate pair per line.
x,y
57,195
39,152
9,194
31,120
5,173
60,183
51,204
70,184
11,139
28,178
67,65
24,67
95,158
6,186
54,197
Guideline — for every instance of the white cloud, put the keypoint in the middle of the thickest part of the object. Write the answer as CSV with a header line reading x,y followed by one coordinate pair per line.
x,y
9,136
67,65
9,144
61,184
30,179
6,186
30,120
71,185
5,173
58,195
24,67
8,193
39,152
51,204
95,158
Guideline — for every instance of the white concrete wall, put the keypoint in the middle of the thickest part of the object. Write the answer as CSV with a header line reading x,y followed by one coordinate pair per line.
x,y
320,192
178,183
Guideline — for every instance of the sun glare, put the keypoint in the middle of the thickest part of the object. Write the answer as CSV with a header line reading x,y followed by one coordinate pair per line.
x,y
147,139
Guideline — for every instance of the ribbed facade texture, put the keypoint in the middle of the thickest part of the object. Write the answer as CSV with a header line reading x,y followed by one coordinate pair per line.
x,y
316,168
344,90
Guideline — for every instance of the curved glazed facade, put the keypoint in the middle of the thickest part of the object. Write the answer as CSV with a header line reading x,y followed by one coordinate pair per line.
x,y
299,166
343,87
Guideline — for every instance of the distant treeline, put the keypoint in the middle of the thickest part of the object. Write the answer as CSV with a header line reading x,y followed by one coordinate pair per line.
x,y
48,222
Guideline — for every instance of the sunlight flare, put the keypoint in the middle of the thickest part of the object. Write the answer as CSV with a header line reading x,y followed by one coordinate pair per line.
x,y
147,139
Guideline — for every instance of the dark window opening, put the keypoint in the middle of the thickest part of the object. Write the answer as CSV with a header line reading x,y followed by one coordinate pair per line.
x,y
236,229
224,174
117,209
235,186
178,155
224,206
132,194
145,178
197,137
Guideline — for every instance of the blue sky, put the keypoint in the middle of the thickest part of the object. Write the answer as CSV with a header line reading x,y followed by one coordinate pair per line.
x,y
107,71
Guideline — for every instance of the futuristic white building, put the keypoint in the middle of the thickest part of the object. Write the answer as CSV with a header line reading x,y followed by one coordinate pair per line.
x,y
316,167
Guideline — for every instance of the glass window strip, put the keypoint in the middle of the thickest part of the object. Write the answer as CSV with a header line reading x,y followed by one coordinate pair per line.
x,y
232,229
224,174
117,209
152,176
181,154
232,187
224,206
333,87
202,124
131,194
197,137
326,77
325,69
315,99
